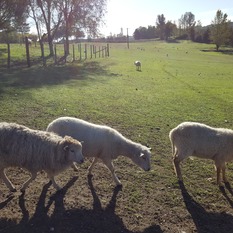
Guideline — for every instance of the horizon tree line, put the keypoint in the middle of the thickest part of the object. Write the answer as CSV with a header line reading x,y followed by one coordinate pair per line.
x,y
219,32
55,19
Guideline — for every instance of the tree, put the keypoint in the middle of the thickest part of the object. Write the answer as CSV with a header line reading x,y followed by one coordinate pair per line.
x,y
68,14
169,29
78,14
220,29
160,22
137,34
51,17
11,12
187,24
140,33
145,33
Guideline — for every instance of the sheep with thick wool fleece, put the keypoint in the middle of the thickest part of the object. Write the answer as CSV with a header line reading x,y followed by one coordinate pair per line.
x,y
35,151
102,142
203,141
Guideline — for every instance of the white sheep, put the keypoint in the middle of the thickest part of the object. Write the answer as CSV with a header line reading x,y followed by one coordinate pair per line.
x,y
36,150
102,142
195,139
138,65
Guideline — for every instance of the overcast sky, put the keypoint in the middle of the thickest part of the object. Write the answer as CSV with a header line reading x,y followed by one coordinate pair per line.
x,y
132,14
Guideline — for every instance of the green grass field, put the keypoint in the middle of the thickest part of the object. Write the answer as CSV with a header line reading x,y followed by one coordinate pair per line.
x,y
179,82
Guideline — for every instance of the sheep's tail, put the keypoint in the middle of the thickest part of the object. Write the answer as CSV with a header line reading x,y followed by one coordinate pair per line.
x,y
171,136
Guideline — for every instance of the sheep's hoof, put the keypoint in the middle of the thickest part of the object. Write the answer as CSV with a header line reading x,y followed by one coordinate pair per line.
x,y
221,188
119,184
118,188
75,168
58,188
13,190
227,184
180,182
220,185
89,175
22,191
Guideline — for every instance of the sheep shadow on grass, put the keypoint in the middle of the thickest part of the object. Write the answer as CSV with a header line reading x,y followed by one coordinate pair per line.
x,y
80,220
203,220
224,192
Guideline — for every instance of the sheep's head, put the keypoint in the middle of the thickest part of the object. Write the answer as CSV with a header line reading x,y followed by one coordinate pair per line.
x,y
143,157
73,149
137,63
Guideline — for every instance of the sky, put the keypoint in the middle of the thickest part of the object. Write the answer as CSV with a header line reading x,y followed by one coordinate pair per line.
x,y
132,14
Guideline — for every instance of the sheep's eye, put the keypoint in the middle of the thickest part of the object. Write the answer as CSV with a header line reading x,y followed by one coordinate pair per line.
x,y
72,151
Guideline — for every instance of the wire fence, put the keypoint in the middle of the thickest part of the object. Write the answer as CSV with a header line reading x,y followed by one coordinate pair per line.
x,y
29,54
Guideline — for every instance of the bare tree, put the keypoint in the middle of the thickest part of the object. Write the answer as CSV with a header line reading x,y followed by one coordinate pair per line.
x,y
68,14
81,14
52,19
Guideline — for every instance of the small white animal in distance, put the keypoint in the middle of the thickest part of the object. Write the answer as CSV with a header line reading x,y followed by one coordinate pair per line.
x,y
138,65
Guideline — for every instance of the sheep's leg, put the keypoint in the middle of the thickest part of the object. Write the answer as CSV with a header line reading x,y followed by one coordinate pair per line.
x,y
7,181
176,163
110,166
74,166
55,185
95,160
218,170
25,185
224,174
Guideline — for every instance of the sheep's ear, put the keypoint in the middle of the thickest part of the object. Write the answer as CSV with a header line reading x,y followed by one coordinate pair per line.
x,y
66,148
142,155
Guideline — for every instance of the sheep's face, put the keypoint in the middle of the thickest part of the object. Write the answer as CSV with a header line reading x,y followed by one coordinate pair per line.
x,y
74,151
143,159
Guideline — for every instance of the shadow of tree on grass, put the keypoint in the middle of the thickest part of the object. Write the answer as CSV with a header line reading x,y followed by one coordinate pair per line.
x,y
54,75
223,51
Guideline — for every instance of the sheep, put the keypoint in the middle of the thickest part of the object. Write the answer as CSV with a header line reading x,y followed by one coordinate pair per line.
x,y
102,142
35,151
138,65
203,141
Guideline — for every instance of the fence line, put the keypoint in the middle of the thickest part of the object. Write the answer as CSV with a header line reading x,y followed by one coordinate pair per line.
x,y
79,52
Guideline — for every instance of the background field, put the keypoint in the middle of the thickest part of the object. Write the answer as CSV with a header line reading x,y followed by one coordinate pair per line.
x,y
179,82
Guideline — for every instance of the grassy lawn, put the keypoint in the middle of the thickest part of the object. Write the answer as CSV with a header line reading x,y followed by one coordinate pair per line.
x,y
179,82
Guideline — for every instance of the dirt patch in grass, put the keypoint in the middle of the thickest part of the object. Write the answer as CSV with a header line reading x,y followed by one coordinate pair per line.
x,y
145,204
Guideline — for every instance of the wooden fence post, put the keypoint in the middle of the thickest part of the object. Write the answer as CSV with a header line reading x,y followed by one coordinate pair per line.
x,y
55,54
9,55
27,51
42,51
80,52
91,50
73,53
108,50
85,51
